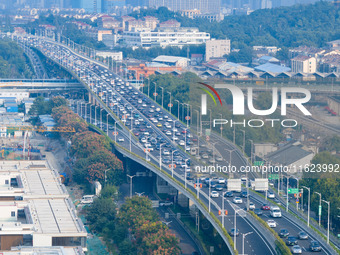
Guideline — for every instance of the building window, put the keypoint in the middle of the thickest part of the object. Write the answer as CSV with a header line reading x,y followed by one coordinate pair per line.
x,y
13,214
6,182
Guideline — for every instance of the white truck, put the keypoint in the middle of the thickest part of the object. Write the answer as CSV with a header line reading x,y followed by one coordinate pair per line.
x,y
275,212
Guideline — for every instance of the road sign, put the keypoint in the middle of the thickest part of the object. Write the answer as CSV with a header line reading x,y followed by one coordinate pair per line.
x,y
293,191
142,85
187,117
115,133
320,209
297,200
273,176
207,138
207,132
170,105
155,94
174,165
258,163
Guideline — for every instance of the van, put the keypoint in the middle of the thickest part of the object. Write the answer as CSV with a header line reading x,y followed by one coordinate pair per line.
x,y
87,199
275,212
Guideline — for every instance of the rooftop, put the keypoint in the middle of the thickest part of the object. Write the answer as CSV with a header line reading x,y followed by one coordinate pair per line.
x,y
288,154
268,67
170,59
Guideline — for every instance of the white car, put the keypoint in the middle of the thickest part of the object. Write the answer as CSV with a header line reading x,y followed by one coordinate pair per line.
x,y
168,133
270,194
221,180
251,206
214,194
237,200
120,139
181,142
271,223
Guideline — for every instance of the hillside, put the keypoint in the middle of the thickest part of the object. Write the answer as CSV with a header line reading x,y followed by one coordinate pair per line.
x,y
311,25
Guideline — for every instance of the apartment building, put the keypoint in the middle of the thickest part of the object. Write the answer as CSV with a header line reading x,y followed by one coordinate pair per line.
x,y
216,48
303,64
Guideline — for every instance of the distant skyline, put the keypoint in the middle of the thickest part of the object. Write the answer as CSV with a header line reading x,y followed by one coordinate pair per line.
x,y
106,6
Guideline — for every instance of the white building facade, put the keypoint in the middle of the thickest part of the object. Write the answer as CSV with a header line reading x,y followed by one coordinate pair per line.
x,y
165,37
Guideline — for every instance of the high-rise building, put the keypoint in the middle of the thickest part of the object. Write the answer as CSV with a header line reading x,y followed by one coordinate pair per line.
x,y
91,6
205,6
109,5
216,48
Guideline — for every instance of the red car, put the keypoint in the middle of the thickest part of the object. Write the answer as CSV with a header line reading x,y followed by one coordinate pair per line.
x,y
136,134
265,207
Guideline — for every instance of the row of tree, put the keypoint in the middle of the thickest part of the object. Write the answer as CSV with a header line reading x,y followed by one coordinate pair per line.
x,y
91,150
325,182
135,229
13,61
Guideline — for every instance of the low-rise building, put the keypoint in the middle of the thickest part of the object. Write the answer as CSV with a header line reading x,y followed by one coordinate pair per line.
x,y
164,37
172,60
115,55
290,155
36,210
172,23
303,64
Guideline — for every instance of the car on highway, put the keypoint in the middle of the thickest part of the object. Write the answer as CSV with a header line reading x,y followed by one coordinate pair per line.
x,y
244,194
271,223
219,187
315,246
296,249
291,240
221,180
214,194
303,235
229,194
237,200
258,212
283,232
234,232
265,207
121,139
270,194
251,206
165,203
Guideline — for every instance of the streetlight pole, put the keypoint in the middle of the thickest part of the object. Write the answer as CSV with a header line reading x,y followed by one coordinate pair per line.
x,y
170,105
297,195
131,176
319,207
101,118
155,94
329,209
244,141
172,164
185,174
243,237
287,202
162,95
308,203
177,109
